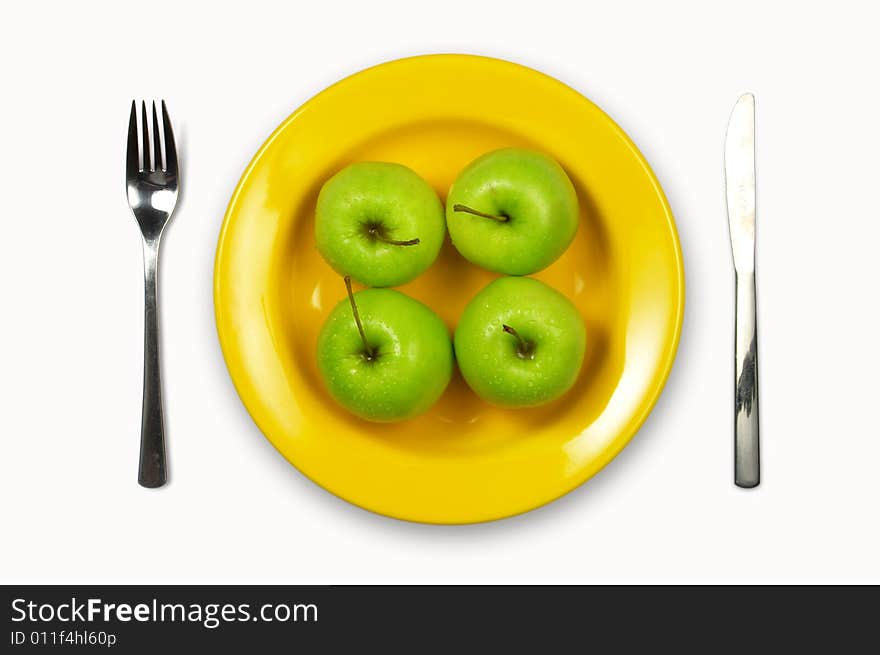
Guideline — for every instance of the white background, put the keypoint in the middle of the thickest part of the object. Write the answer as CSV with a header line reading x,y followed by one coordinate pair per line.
x,y
664,510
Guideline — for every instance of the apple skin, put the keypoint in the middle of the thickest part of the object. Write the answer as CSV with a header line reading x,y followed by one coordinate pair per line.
x,y
487,355
529,188
414,358
369,198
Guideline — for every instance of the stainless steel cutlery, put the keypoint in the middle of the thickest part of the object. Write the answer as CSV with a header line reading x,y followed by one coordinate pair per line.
x,y
151,183
739,174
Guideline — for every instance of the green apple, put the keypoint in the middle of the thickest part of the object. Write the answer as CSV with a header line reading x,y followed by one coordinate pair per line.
x,y
520,343
512,211
383,355
380,223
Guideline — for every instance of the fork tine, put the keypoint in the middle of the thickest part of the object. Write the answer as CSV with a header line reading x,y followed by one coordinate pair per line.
x,y
145,137
170,149
131,152
157,146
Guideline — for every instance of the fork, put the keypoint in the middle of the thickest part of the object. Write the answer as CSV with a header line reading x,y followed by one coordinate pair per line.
x,y
152,194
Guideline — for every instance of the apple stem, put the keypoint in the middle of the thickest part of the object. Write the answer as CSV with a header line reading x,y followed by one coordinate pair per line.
x,y
393,242
475,212
377,233
369,352
526,349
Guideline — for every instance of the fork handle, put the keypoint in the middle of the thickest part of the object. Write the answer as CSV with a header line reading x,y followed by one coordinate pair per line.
x,y
747,461
151,468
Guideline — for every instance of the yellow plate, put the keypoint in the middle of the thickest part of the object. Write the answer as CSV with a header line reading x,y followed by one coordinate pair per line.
x,y
464,461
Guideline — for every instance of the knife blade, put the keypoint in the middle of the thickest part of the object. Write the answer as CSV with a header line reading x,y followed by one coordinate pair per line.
x,y
739,173
739,177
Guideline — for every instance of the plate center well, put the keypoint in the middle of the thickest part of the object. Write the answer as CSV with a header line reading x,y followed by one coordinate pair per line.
x,y
309,289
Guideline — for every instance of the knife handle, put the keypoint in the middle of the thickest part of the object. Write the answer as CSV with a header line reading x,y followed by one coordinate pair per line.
x,y
747,461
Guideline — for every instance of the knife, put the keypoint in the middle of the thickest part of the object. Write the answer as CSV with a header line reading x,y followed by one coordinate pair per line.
x,y
739,177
